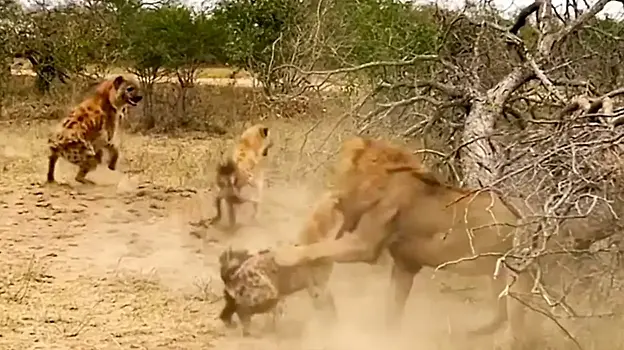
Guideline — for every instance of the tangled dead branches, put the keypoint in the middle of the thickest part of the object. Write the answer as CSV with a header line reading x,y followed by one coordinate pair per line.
x,y
568,166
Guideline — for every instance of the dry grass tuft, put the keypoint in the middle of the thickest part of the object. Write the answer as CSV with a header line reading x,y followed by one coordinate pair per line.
x,y
120,310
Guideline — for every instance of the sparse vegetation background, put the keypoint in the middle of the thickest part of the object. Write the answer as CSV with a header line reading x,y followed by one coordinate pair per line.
x,y
528,103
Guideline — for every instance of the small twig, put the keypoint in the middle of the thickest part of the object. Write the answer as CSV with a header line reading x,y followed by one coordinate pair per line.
x,y
112,337
85,320
389,107
27,278
469,258
305,137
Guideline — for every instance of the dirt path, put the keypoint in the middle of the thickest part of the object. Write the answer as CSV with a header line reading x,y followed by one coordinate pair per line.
x,y
120,266
239,81
123,268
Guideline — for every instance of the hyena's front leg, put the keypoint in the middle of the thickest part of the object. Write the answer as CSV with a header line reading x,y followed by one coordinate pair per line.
x,y
52,159
232,201
229,309
217,204
114,156
99,154
258,183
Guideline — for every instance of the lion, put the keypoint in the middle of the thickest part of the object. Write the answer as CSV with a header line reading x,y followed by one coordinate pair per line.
x,y
244,168
88,130
401,207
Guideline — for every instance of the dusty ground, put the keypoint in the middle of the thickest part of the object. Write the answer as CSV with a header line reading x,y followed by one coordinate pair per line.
x,y
120,265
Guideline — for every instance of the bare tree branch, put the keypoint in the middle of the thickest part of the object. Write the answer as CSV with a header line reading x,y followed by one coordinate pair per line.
x,y
550,41
544,79
524,14
448,89
415,59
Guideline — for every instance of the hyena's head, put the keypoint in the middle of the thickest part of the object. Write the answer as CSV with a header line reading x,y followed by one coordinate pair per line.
x,y
257,137
121,91
230,260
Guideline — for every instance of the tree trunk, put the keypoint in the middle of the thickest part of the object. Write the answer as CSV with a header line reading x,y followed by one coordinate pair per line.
x,y
479,156
149,121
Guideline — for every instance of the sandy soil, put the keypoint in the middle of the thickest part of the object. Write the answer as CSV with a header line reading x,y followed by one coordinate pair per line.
x,y
119,265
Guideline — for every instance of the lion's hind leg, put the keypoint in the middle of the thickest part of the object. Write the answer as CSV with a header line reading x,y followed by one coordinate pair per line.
x,y
401,280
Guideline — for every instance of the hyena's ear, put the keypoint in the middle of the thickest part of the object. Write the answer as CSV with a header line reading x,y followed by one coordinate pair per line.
x,y
264,132
118,81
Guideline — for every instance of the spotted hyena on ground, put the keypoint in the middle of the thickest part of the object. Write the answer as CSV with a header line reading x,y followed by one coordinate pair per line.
x,y
88,130
255,284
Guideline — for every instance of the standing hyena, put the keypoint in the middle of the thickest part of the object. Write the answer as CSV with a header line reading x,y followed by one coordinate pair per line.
x,y
89,129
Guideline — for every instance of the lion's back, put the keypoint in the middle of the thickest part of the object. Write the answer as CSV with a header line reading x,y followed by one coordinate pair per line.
x,y
366,167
